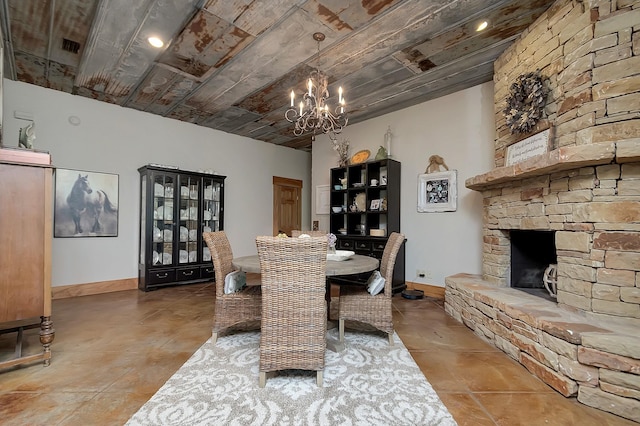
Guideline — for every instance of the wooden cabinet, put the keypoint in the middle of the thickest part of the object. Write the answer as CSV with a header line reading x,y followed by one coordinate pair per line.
x,y
365,209
176,207
26,230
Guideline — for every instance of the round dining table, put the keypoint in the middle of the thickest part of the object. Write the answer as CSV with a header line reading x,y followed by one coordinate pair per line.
x,y
354,265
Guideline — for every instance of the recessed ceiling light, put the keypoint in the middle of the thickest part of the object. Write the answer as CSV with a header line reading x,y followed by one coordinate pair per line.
x,y
155,42
482,25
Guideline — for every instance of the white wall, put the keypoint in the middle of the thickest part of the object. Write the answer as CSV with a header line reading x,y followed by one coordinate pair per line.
x,y
112,139
460,128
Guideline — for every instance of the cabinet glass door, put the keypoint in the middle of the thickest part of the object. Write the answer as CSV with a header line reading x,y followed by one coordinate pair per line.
x,y
210,210
188,222
143,219
163,219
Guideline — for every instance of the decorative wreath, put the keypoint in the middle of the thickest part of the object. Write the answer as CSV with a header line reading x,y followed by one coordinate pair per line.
x,y
525,104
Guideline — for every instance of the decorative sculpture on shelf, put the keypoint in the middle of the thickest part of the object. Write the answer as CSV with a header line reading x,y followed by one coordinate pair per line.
x,y
381,154
27,135
435,162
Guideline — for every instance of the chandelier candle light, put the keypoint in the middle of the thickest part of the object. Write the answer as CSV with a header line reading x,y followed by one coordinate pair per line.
x,y
314,114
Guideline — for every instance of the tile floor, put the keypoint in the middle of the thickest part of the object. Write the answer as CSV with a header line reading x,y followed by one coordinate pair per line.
x,y
113,351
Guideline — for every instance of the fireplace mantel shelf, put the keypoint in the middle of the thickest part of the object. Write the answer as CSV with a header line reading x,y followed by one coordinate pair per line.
x,y
565,158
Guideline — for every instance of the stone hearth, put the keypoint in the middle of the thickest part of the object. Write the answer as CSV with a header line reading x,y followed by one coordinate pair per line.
x,y
593,359
586,189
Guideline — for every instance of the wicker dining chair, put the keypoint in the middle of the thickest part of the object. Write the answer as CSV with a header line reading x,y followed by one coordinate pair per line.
x,y
357,304
234,308
296,233
294,311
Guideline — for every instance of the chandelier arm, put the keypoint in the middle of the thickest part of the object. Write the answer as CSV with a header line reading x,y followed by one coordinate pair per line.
x,y
288,115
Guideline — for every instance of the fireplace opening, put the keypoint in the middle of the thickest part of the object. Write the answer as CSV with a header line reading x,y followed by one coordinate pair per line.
x,y
531,253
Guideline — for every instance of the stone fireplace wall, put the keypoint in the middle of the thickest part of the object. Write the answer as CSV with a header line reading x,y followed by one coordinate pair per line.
x,y
587,187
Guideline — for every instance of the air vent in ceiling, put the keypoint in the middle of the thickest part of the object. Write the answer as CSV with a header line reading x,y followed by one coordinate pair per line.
x,y
70,45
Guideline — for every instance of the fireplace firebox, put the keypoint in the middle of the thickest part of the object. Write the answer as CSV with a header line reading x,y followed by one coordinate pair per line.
x,y
531,253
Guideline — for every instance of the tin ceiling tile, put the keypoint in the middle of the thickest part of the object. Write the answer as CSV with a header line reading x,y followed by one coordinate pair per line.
x,y
231,64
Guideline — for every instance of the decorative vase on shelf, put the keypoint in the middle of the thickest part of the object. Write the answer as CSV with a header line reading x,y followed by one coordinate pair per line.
x,y
387,141
342,148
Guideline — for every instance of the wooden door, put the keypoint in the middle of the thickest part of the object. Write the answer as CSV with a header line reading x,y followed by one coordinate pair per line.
x,y
287,207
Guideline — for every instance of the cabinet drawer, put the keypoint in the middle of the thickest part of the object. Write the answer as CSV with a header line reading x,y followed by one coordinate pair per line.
x,y
162,276
187,274
363,245
346,244
378,245
206,271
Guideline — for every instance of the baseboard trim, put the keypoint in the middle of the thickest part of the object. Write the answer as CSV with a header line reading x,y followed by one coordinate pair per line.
x,y
65,291
434,291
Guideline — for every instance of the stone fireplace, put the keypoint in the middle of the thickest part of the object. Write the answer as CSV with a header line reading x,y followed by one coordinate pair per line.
x,y
582,196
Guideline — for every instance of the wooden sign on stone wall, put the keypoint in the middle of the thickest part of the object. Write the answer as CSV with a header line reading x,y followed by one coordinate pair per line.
x,y
529,147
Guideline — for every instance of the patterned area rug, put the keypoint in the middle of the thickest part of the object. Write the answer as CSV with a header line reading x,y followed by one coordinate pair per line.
x,y
368,383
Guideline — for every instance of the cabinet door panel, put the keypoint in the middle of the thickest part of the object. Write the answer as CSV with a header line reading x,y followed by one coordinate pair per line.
x,y
22,226
190,218
164,216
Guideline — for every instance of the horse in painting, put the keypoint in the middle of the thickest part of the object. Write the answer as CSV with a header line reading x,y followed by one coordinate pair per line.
x,y
83,198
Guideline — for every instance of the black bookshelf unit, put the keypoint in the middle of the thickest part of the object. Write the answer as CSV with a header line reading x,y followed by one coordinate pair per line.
x,y
365,209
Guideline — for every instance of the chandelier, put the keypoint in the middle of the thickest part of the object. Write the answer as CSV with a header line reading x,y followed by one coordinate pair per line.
x,y
313,113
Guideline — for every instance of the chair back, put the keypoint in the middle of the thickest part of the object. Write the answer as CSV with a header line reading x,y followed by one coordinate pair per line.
x,y
294,310
221,256
296,233
388,262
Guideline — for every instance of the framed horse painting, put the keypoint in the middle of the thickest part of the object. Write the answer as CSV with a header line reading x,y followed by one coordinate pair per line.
x,y
86,204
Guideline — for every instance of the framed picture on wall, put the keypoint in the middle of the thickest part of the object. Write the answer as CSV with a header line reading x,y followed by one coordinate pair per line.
x,y
323,199
437,192
86,204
